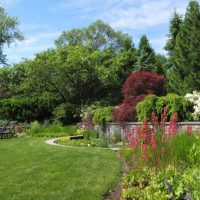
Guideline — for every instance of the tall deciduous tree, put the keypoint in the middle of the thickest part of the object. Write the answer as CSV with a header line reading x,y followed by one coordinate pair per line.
x,y
68,73
96,36
185,73
9,32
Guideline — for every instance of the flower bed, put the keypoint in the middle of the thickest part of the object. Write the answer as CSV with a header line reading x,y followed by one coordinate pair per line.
x,y
163,163
92,142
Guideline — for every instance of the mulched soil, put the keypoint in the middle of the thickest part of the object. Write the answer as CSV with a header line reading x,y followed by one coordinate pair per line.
x,y
115,194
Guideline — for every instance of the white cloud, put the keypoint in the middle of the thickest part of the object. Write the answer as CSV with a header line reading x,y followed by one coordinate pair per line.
x,y
147,14
126,14
9,2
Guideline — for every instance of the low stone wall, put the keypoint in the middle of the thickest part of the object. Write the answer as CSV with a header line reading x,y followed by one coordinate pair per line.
x,y
113,128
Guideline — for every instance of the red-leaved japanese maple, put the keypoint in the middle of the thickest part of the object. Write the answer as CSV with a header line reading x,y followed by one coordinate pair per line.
x,y
137,86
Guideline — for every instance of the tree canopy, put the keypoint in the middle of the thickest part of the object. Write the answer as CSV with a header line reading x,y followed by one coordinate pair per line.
x,y
9,32
98,35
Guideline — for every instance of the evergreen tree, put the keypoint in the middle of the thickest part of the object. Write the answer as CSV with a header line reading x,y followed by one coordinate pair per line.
x,y
146,55
175,24
185,73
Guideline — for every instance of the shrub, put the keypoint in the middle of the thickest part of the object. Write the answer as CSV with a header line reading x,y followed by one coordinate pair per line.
x,y
27,109
66,113
195,100
135,89
173,103
52,130
117,137
89,110
104,113
146,107
87,114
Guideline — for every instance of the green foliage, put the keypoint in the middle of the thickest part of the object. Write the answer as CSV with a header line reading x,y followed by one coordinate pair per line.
x,y
91,134
59,113
52,130
79,143
127,155
91,139
168,183
26,109
149,185
103,141
174,29
178,151
9,32
165,165
90,110
173,103
146,107
96,36
4,82
104,113
117,137
146,55
184,75
65,113
176,103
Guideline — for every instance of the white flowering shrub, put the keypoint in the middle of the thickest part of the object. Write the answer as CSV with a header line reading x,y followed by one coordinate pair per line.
x,y
195,100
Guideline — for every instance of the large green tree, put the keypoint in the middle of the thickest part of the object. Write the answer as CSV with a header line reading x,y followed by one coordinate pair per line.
x,y
98,35
184,76
67,73
174,29
9,32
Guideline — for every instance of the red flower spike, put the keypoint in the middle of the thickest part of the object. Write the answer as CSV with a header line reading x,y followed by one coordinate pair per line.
x,y
163,150
154,120
163,138
153,141
173,127
144,151
189,130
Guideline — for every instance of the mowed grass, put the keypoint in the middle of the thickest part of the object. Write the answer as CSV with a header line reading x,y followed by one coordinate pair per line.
x,y
32,170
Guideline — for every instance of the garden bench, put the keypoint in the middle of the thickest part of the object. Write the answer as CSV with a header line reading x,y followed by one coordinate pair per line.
x,y
8,130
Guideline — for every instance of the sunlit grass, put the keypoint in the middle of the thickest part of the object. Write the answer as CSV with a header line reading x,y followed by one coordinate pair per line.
x,y
32,170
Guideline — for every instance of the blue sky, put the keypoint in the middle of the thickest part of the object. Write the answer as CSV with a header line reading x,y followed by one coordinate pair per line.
x,y
42,21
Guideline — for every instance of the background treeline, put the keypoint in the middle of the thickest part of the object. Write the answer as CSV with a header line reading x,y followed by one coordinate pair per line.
x,y
91,64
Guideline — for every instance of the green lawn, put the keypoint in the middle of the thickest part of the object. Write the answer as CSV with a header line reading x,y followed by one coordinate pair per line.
x,y
32,170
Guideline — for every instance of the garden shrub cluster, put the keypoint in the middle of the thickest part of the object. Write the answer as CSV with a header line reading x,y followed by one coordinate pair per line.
x,y
96,113
27,109
173,103
103,114
37,129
